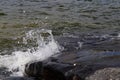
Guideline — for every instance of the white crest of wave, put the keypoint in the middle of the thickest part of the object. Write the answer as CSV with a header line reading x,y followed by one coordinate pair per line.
x,y
46,46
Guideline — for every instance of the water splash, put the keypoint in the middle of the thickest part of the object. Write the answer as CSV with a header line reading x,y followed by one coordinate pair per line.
x,y
44,47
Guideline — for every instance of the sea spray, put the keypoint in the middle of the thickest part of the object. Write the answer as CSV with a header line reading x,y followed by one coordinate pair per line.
x,y
44,47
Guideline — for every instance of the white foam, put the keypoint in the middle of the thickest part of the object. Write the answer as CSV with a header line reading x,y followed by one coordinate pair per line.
x,y
46,47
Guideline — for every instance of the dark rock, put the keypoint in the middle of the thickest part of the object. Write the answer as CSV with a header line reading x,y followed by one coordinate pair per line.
x,y
80,72
34,69
56,71
53,59
60,66
47,71
17,78
73,77
76,77
50,73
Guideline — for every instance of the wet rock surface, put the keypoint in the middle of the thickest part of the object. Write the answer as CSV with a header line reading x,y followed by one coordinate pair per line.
x,y
105,74
47,71
33,69
64,71
50,73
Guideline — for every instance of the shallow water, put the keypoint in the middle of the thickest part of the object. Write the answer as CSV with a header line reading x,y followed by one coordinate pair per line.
x,y
87,29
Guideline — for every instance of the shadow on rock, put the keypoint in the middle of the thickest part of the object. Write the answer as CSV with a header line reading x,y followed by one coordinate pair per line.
x,y
50,73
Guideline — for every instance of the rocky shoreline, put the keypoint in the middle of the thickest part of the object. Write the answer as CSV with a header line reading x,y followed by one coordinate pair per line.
x,y
86,63
62,71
